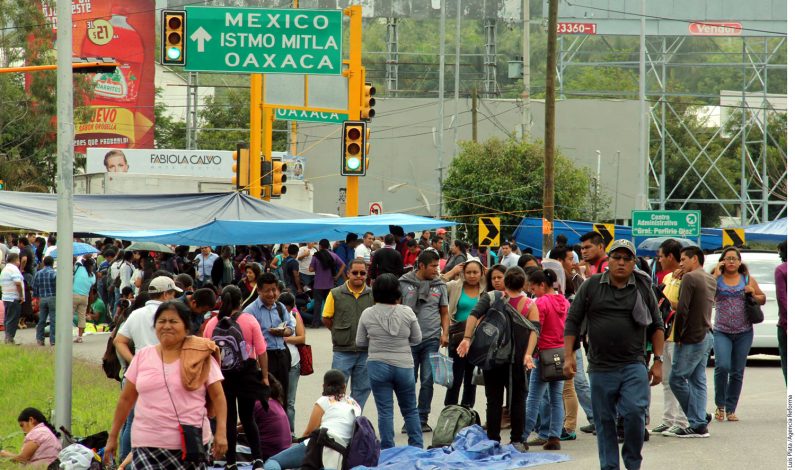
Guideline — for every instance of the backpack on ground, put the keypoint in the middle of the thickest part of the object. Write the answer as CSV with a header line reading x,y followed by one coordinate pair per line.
x,y
364,448
492,340
228,336
452,419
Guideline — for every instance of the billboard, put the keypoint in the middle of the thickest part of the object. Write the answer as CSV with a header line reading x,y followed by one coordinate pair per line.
x,y
122,108
200,163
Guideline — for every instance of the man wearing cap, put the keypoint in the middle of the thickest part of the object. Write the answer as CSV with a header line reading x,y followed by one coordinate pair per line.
x,y
139,330
621,313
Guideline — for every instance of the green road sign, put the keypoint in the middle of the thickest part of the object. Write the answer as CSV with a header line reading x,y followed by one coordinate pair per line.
x,y
258,40
309,116
666,223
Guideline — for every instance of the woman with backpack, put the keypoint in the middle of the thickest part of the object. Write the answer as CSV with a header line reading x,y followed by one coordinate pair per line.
x,y
83,280
734,333
463,293
328,267
243,347
552,308
389,330
523,315
334,410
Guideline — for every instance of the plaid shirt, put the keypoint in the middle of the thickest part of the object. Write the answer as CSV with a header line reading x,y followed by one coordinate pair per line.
x,y
44,283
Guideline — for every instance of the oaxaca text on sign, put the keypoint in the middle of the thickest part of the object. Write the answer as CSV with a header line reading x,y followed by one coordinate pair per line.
x,y
256,40
309,116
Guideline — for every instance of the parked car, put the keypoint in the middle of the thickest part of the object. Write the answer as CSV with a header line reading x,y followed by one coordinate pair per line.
x,y
762,266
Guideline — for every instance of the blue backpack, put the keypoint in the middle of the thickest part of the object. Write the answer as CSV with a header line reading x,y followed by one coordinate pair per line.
x,y
364,448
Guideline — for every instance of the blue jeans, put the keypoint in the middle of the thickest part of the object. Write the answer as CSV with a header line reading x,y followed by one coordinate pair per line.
x,y
688,379
731,352
354,366
307,279
539,391
625,390
292,457
422,367
11,321
292,387
125,441
582,388
46,312
385,380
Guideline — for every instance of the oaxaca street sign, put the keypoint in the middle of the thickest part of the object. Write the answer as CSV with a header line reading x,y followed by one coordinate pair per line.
x,y
283,114
257,40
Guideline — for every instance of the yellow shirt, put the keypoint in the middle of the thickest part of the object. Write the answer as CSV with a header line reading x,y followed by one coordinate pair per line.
x,y
671,292
328,307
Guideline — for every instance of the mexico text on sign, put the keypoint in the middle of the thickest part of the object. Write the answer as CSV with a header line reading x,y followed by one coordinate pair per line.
x,y
256,40
666,223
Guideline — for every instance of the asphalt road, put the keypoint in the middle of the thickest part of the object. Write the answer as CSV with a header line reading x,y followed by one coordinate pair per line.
x,y
757,440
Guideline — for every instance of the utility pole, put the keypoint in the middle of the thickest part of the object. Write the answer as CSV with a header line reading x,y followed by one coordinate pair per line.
x,y
526,70
475,114
643,146
255,135
65,188
454,121
355,83
294,124
440,131
549,126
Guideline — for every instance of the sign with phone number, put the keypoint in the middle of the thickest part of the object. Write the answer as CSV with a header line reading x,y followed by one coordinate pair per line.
x,y
576,28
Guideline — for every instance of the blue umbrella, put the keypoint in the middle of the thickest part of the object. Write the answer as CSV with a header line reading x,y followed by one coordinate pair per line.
x,y
649,246
78,249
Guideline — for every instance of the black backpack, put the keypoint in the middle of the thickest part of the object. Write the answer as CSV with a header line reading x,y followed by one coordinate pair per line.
x,y
492,341
228,336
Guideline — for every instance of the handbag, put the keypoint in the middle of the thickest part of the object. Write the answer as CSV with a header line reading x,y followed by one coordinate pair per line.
x,y
551,362
477,377
442,367
752,309
456,334
305,352
193,450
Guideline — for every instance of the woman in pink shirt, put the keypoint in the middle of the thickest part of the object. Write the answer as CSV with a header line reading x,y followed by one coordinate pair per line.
x,y
162,402
41,445
244,383
552,309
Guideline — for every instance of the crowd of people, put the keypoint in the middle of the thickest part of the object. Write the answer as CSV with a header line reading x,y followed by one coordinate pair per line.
x,y
221,333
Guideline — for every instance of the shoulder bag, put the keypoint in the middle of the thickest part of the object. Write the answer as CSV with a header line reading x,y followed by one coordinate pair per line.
x,y
752,309
193,449
551,364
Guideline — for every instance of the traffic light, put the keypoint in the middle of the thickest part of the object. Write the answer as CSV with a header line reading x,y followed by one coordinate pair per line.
x,y
240,167
354,148
279,177
2,185
368,102
173,37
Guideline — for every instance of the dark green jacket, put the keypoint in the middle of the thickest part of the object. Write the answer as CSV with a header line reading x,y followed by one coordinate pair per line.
x,y
347,311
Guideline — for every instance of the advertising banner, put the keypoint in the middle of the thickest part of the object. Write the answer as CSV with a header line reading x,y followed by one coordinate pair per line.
x,y
122,108
200,163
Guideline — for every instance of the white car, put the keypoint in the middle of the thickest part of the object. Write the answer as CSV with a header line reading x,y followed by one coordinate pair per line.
x,y
762,266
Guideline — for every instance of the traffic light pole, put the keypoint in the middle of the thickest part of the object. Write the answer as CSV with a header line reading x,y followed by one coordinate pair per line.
x,y
255,136
354,97
267,148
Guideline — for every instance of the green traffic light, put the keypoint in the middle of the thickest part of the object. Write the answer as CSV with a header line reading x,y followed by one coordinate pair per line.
x,y
174,53
354,163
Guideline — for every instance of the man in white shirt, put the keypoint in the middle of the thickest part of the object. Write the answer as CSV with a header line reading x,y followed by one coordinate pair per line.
x,y
366,248
139,330
13,287
305,254
204,265
509,258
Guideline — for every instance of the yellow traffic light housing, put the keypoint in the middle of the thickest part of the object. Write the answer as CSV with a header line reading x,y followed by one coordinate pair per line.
x,y
367,102
241,167
278,187
172,38
354,148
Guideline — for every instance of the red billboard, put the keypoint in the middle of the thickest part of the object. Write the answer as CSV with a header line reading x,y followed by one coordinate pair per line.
x,y
122,107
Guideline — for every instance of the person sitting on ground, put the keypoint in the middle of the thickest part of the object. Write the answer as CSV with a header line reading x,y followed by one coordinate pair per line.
x,y
278,436
334,410
41,445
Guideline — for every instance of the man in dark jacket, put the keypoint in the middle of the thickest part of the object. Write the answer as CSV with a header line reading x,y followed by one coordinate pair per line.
x,y
693,343
386,260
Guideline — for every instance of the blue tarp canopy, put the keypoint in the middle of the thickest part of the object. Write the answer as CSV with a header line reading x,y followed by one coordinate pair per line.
x,y
528,234
257,232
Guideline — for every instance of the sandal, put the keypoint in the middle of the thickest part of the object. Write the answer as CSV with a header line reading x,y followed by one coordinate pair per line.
x,y
732,417
720,414
79,339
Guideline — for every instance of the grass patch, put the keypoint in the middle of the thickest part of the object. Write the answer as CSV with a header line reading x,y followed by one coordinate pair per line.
x,y
27,378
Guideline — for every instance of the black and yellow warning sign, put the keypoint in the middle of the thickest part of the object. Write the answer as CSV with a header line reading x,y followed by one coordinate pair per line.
x,y
607,231
733,237
489,231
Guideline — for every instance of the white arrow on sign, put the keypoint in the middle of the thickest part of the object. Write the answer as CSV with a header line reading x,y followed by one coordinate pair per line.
x,y
201,36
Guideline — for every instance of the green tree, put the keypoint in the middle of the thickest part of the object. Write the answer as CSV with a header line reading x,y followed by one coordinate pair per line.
x,y
505,178
225,120
169,133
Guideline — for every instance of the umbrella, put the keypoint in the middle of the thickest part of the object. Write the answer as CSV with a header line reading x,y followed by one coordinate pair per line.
x,y
653,244
150,246
78,249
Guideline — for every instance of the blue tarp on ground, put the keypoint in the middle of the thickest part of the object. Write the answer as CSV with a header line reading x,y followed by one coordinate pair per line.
x,y
471,449
528,233
255,232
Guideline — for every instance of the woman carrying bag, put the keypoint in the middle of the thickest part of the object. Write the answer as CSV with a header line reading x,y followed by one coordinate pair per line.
x,y
733,331
463,293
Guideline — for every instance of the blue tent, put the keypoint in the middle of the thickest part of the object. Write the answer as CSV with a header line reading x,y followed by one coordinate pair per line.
x,y
528,234
255,232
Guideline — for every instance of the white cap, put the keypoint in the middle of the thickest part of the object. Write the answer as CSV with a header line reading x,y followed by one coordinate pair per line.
x,y
162,284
